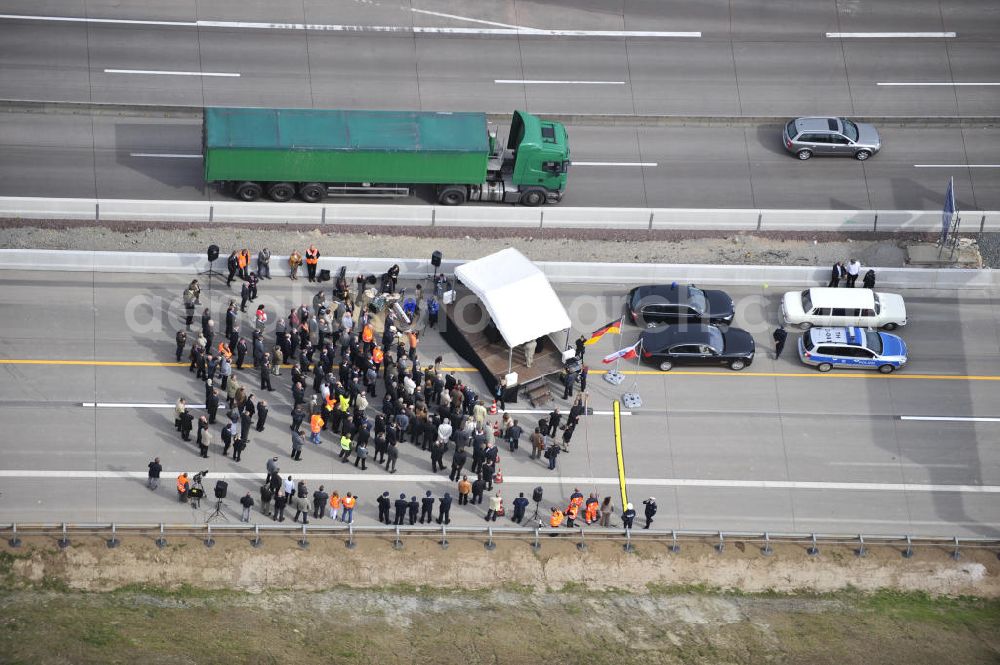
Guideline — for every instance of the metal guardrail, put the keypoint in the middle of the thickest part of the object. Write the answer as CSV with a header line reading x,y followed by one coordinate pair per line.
x,y
907,545
640,220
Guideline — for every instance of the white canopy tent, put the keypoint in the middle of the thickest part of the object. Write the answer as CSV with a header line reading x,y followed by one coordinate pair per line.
x,y
516,294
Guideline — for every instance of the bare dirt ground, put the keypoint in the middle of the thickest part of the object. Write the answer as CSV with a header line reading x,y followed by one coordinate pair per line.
x,y
280,604
787,248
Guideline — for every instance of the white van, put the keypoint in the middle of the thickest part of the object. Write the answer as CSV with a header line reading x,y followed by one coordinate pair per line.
x,y
843,307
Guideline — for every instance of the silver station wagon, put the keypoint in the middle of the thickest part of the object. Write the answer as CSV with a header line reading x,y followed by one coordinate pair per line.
x,y
805,137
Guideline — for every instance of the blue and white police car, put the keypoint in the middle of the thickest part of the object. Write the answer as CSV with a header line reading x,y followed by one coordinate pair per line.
x,y
852,348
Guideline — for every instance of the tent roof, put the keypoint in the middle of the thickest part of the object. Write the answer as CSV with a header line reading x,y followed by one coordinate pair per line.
x,y
517,295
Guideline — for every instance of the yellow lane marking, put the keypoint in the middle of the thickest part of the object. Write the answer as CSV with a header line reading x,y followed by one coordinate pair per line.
x,y
636,372
618,452
817,375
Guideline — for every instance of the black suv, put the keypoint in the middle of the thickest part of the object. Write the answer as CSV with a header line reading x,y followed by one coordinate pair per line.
x,y
675,303
697,344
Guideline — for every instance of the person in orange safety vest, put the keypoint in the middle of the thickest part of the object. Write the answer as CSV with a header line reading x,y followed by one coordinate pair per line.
x,y
182,486
571,512
556,519
312,260
316,423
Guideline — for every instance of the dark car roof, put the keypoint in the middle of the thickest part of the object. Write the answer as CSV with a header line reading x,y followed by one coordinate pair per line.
x,y
669,293
667,336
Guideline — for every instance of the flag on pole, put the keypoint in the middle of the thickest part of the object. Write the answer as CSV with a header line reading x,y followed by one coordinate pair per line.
x,y
949,210
626,353
615,327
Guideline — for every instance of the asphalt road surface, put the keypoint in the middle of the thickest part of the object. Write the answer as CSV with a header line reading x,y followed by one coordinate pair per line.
x,y
671,167
927,58
776,447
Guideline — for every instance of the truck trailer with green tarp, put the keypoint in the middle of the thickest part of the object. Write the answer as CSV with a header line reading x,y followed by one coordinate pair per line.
x,y
316,153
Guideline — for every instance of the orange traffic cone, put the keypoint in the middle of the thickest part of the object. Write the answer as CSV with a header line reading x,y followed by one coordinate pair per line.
x,y
493,408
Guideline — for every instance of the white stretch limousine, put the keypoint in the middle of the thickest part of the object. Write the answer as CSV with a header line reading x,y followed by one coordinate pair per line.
x,y
833,307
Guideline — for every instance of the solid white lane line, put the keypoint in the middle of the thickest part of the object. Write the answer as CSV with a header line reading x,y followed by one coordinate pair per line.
x,y
156,72
928,84
537,81
83,19
544,412
914,464
537,480
891,35
333,27
953,419
575,163
135,405
466,19
956,166
165,155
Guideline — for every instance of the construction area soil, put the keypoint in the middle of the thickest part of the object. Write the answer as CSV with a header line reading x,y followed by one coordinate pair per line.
x,y
281,603
799,248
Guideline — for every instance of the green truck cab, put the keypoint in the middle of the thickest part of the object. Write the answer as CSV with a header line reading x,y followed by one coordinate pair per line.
x,y
312,154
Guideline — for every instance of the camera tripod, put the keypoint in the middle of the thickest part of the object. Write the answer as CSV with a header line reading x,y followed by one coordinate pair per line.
x,y
217,513
535,516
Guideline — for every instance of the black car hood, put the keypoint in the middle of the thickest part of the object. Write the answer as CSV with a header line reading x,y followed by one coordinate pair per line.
x,y
720,305
739,342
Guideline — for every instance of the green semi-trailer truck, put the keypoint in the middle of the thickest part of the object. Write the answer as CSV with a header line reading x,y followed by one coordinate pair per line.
x,y
281,153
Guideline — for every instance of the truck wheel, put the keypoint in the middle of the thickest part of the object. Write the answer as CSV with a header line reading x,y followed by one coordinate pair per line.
x,y
312,192
248,191
452,196
533,197
281,192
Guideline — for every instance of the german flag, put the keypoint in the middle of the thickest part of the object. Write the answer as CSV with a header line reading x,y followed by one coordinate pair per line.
x,y
615,328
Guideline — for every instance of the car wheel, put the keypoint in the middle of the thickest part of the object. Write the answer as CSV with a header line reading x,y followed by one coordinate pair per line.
x,y
862,155
666,366
805,325
889,326
804,154
737,365
886,369
824,367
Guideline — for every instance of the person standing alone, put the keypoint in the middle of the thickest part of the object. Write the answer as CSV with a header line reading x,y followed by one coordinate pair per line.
x,y
154,474
780,335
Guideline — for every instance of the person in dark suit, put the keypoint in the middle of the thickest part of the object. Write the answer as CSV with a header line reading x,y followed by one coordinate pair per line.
x,y
384,504
232,264
554,419
261,415
401,504
414,507
427,508
212,405
444,509
837,274
780,335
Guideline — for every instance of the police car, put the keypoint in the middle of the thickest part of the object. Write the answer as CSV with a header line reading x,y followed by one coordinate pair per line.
x,y
852,348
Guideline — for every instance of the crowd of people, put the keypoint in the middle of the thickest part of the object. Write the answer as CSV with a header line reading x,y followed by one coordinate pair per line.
x,y
356,380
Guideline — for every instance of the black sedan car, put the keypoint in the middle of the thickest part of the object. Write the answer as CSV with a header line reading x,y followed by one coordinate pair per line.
x,y
697,344
677,303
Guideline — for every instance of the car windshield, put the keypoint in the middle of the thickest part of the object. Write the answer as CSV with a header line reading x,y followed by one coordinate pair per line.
x,y
874,342
715,340
851,130
807,304
696,298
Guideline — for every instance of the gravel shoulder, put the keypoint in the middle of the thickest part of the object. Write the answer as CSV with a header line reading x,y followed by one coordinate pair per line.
x,y
791,248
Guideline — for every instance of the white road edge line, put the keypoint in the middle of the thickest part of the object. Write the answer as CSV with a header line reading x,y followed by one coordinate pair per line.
x,y
615,164
134,405
537,480
929,84
467,19
157,72
333,27
956,166
165,155
954,419
891,35
537,81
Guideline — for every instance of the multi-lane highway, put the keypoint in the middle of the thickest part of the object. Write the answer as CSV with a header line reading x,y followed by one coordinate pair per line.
x,y
776,447
922,59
